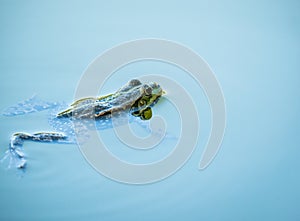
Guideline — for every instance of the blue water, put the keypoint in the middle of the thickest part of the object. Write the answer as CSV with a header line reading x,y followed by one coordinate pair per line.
x,y
253,48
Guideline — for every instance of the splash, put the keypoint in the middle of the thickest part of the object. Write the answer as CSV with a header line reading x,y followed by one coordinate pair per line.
x,y
31,105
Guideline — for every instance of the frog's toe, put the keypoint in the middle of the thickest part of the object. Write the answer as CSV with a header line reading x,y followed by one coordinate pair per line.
x,y
22,164
146,114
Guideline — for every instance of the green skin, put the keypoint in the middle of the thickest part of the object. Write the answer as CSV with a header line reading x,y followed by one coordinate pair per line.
x,y
134,97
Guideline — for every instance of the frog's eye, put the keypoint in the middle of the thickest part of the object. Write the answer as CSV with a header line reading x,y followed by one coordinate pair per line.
x,y
148,89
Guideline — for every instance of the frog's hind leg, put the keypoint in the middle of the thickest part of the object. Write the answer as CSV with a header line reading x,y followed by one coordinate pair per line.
x,y
17,139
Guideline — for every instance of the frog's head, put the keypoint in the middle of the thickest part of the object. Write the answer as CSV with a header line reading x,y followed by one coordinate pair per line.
x,y
150,94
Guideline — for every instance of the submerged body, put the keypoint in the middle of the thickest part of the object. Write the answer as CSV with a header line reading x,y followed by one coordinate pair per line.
x,y
133,98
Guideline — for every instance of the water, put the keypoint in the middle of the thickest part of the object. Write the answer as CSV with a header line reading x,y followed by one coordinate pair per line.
x,y
253,47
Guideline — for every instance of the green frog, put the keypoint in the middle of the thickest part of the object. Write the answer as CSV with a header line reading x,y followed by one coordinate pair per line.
x,y
135,98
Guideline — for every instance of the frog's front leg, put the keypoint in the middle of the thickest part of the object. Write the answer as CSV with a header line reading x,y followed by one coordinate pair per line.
x,y
17,140
144,114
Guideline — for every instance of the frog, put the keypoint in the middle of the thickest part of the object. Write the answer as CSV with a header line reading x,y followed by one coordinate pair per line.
x,y
134,98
